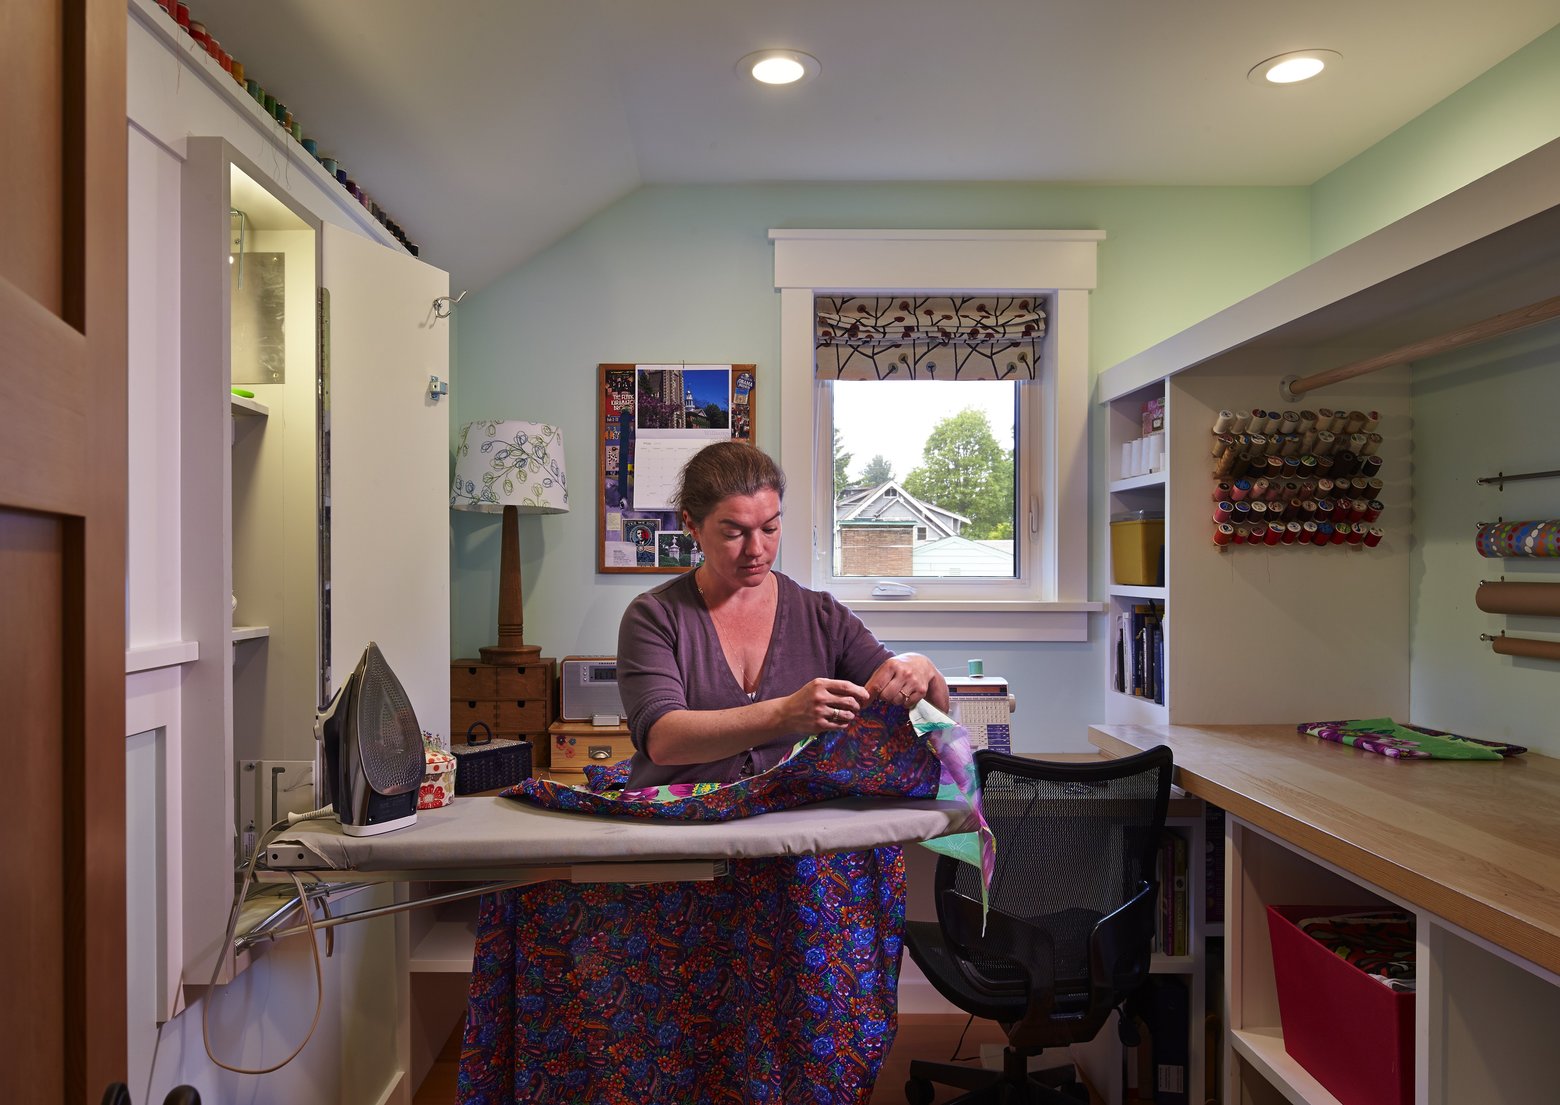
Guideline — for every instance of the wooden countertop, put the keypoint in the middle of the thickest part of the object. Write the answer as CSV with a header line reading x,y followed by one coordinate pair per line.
x,y
1476,843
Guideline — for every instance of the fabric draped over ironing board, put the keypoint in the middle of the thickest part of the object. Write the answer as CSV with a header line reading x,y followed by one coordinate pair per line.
x,y
775,983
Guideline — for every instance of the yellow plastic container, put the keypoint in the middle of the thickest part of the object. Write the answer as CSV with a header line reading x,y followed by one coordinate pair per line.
x,y
1137,549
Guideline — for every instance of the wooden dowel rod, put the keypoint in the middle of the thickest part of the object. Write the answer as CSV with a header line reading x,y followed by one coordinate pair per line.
x,y
1467,335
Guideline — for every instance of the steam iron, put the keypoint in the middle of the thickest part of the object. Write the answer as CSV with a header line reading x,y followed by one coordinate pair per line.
x,y
372,748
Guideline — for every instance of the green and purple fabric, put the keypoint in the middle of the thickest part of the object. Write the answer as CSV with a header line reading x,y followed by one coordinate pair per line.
x,y
776,983
1408,742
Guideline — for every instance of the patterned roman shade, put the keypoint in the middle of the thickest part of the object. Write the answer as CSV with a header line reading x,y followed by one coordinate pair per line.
x,y
902,337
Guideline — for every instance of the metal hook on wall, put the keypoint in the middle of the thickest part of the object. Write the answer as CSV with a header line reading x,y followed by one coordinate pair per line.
x,y
444,305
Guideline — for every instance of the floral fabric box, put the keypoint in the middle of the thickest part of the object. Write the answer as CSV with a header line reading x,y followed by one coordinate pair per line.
x,y
438,784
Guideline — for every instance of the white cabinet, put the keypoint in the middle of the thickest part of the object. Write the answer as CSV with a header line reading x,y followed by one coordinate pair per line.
x,y
249,266
319,503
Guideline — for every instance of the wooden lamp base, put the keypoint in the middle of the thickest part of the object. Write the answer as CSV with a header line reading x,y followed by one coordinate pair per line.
x,y
511,648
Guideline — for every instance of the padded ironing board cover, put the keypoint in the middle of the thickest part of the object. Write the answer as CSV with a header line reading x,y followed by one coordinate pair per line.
x,y
777,983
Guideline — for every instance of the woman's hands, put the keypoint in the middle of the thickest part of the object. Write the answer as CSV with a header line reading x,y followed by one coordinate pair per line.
x,y
906,678
822,704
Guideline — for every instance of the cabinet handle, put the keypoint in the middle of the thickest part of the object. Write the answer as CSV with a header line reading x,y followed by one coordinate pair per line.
x,y
600,752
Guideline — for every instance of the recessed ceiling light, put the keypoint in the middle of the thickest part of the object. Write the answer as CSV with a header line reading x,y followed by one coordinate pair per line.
x,y
1295,66
778,66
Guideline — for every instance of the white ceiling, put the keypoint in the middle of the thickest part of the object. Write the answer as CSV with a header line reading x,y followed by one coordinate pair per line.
x,y
491,128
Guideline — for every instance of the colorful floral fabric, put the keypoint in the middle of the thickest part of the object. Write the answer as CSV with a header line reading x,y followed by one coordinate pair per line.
x,y
1409,742
1378,942
775,983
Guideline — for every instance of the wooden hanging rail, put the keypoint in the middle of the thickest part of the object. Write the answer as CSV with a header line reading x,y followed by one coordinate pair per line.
x,y
1292,387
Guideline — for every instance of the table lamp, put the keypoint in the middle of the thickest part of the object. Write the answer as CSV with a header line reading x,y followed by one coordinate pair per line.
x,y
514,468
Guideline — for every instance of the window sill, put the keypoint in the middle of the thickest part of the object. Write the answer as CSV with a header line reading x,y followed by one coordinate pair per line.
x,y
914,620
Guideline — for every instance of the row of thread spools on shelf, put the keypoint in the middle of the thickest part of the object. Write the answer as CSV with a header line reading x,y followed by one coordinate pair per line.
x,y
1306,451
179,12
1282,478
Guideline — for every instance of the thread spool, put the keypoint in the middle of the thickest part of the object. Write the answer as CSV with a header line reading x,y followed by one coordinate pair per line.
x,y
1242,422
1372,444
236,68
1372,420
1257,535
1326,442
1356,422
976,667
1370,466
1289,446
1356,535
1272,423
1292,532
1274,534
1240,491
1223,421
1324,533
1223,534
1307,533
1260,488
1307,422
1373,509
1357,509
1372,537
1374,488
1240,533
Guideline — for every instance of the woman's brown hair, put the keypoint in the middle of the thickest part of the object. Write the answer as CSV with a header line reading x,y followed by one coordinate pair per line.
x,y
720,471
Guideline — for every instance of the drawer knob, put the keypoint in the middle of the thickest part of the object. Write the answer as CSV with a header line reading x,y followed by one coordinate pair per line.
x,y
600,752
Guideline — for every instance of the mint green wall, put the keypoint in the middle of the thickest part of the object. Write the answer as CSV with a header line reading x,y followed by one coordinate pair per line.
x,y
1482,410
1508,111
686,273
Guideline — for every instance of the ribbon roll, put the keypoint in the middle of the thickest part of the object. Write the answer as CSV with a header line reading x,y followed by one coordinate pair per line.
x,y
1503,539
1542,599
1526,646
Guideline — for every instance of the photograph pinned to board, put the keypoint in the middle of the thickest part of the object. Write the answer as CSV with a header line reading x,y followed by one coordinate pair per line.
x,y
653,418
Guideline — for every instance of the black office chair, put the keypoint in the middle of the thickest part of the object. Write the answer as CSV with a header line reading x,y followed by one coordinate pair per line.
x,y
1071,922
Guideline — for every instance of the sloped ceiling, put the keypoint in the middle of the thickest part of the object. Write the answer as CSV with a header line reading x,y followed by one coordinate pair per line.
x,y
491,128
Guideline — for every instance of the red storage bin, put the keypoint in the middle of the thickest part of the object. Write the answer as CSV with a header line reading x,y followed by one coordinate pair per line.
x,y
1354,1035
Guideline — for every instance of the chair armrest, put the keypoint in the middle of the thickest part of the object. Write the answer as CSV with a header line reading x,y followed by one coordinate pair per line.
x,y
1121,946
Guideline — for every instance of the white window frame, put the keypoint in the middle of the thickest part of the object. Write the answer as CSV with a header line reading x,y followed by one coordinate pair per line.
x,y
1048,602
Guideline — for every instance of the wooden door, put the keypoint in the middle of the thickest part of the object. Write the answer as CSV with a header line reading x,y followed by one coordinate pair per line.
x,y
62,548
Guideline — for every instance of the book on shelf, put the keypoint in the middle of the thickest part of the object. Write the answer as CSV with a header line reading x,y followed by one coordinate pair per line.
x,y
1137,652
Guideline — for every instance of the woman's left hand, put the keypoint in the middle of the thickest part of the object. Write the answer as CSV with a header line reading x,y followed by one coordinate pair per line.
x,y
905,679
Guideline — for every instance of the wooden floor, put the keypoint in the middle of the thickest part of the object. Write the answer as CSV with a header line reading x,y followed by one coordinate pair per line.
x,y
925,1036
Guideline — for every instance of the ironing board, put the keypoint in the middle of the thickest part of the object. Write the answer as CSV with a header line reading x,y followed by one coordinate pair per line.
x,y
506,843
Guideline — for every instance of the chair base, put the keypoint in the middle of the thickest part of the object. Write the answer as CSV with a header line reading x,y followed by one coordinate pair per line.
x,y
1014,1085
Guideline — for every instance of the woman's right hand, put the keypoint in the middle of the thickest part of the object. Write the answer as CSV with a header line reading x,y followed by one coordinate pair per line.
x,y
823,704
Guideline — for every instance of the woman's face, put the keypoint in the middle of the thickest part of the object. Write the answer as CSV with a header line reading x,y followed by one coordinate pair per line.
x,y
740,537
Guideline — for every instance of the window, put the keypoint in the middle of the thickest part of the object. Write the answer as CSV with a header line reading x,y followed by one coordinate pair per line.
x,y
1008,563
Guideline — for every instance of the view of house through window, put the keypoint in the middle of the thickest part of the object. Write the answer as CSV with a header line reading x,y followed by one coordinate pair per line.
x,y
924,478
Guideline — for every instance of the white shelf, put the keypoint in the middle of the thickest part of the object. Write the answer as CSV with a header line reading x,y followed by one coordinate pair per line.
x,y
164,655
1134,591
447,948
1263,1048
248,408
1132,709
250,632
1133,483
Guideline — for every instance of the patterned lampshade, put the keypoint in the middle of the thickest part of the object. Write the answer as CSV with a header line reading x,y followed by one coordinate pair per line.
x,y
510,463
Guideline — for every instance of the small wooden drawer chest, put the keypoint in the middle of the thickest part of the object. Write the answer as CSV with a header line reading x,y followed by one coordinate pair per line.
x,y
513,701
577,743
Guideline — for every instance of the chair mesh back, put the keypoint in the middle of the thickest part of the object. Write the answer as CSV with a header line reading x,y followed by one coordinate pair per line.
x,y
1072,846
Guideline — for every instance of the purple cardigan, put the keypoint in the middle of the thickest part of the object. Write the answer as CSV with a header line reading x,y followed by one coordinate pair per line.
x,y
669,658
